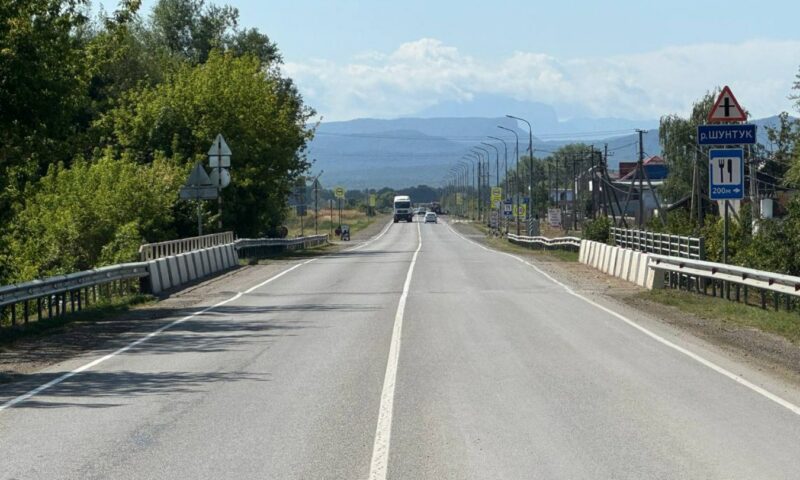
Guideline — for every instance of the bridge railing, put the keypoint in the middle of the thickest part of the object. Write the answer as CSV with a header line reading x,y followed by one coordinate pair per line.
x,y
152,251
728,281
659,243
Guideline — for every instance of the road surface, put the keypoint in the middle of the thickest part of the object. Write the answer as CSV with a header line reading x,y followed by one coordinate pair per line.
x,y
420,355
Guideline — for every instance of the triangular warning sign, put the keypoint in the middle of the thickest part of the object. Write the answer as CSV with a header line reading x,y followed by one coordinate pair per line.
x,y
726,108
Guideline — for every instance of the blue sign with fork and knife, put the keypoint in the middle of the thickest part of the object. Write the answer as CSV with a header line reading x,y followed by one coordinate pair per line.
x,y
726,174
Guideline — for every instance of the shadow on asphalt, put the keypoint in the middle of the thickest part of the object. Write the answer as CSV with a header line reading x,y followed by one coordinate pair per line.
x,y
111,389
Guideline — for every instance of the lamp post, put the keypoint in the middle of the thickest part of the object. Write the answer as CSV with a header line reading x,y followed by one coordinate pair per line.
x,y
464,174
516,172
486,171
530,152
505,167
472,162
496,163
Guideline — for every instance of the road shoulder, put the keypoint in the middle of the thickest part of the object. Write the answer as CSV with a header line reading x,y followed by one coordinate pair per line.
x,y
763,352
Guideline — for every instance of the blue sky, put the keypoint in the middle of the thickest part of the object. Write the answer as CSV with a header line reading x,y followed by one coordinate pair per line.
x,y
634,59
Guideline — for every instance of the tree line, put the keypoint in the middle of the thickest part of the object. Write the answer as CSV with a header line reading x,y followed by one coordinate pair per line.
x,y
103,116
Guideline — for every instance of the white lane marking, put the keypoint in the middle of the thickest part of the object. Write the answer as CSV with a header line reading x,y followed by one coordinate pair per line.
x,y
383,433
98,361
703,361
382,233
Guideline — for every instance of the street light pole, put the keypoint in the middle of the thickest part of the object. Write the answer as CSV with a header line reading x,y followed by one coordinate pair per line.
x,y
486,173
496,163
516,173
530,152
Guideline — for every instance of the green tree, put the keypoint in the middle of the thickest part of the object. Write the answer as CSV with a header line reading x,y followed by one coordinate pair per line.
x,y
93,213
260,114
677,136
42,80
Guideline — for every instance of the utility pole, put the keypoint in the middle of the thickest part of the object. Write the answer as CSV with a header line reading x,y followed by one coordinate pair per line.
x,y
640,174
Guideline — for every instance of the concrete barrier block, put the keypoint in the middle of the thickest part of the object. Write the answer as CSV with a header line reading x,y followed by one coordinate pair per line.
x,y
191,270
599,256
633,267
205,260
623,253
199,265
589,252
226,254
212,260
612,265
604,249
626,264
608,261
163,274
154,277
641,276
220,260
582,251
183,271
234,254
174,274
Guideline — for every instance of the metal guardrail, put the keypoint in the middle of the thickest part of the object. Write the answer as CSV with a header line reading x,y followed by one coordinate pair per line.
x,y
659,243
544,241
698,274
152,251
249,246
60,294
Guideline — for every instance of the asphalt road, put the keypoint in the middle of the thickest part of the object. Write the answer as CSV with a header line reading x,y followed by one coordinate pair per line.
x,y
489,370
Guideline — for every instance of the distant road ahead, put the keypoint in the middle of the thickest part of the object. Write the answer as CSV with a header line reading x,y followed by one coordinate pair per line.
x,y
489,370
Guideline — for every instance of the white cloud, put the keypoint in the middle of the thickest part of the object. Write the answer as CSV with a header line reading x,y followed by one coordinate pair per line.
x,y
425,72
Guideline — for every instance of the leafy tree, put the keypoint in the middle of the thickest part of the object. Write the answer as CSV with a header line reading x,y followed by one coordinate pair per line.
x,y
677,137
260,114
41,88
93,213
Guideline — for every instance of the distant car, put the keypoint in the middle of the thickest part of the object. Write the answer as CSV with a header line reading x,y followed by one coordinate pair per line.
x,y
421,211
430,217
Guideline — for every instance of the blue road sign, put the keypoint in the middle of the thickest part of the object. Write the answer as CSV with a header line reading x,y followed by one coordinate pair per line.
x,y
726,174
726,134
508,209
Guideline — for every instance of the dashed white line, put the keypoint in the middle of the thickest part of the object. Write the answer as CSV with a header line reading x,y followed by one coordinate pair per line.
x,y
703,361
383,433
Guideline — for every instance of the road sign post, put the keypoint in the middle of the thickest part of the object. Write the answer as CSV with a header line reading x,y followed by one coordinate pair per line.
x,y
219,159
726,182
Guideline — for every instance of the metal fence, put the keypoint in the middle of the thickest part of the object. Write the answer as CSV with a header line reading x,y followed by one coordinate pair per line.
x,y
727,281
56,296
659,243
152,251
254,247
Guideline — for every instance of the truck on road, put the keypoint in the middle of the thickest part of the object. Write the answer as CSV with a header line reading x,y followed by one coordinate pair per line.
x,y
402,209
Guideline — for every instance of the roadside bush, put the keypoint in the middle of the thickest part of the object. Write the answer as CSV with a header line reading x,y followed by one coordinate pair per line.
x,y
91,214
597,230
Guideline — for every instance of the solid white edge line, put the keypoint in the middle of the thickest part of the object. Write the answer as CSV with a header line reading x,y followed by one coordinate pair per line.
x,y
26,396
383,432
703,361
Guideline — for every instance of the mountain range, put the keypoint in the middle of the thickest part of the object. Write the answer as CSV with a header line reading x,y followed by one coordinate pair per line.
x,y
403,152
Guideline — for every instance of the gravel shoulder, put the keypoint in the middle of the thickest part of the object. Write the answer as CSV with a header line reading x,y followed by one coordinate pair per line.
x,y
28,355
765,352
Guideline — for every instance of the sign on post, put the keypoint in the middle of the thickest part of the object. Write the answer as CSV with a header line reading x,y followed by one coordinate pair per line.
x,y
497,195
522,210
726,108
338,192
726,174
554,217
508,209
373,200
726,134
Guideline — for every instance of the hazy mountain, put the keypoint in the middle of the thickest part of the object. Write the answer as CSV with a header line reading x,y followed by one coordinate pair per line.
x,y
411,151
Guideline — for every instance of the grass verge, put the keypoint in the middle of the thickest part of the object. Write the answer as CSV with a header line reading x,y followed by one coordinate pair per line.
x,y
783,323
97,312
500,243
